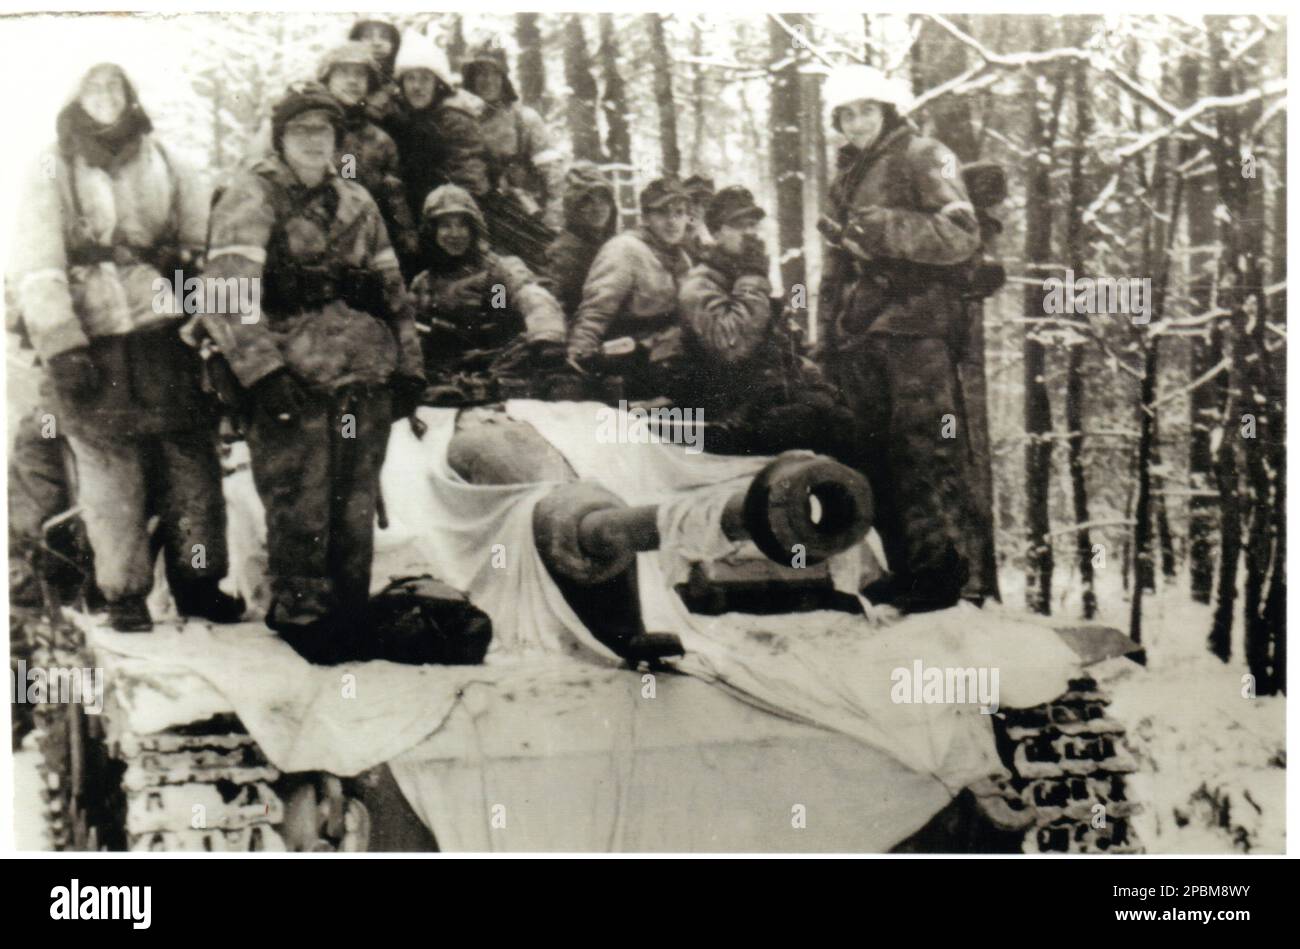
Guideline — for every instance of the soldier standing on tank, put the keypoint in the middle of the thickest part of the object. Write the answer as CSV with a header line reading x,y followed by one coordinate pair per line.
x,y
326,365
109,212
524,159
899,222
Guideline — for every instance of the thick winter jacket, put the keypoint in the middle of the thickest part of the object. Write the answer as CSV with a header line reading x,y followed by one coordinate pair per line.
x,y
482,300
631,289
726,314
92,240
907,223
442,144
369,155
267,224
569,257
523,155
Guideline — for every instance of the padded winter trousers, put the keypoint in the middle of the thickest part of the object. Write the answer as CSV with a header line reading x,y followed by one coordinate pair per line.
x,y
122,483
318,478
914,448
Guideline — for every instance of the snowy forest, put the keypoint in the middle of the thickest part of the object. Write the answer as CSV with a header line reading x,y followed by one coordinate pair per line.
x,y
1135,468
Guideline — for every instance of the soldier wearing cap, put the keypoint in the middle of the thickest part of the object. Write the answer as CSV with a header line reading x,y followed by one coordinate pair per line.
x,y
745,370
631,291
326,363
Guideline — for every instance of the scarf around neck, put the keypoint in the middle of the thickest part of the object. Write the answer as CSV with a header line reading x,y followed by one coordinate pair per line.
x,y
102,145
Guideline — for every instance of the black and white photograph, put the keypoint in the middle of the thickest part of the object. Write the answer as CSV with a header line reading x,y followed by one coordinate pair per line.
x,y
631,431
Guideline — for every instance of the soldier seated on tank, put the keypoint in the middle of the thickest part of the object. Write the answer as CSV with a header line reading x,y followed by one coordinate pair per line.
x,y
745,367
700,189
590,219
627,325
364,152
489,328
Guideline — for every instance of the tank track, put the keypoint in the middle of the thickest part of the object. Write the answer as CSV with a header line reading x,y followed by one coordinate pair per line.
x,y
205,786
1069,765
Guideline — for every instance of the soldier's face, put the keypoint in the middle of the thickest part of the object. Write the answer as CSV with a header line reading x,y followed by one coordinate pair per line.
x,y
309,142
103,96
487,84
669,223
454,234
596,211
349,82
376,37
731,237
861,122
418,86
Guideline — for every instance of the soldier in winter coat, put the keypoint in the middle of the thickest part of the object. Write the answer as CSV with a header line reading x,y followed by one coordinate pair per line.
x,y
700,189
365,152
631,291
436,128
479,311
746,371
524,158
328,362
900,224
590,219
385,45
108,213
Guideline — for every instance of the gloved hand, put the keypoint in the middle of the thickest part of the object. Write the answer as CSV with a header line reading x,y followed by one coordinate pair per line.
x,y
408,395
753,258
281,396
75,375
547,355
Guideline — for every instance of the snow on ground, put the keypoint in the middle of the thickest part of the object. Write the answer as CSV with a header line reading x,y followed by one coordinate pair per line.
x,y
29,825
1213,759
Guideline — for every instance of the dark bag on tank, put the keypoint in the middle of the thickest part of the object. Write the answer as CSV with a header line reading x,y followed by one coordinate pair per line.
x,y
420,620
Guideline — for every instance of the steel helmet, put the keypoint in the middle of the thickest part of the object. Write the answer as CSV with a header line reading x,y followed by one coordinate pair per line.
x,y
354,53
847,84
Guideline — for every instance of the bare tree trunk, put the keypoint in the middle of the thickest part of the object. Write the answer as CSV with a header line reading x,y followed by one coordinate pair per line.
x,y
1038,413
532,68
582,91
1226,152
618,139
787,148
1076,243
456,43
663,85
697,96
1205,400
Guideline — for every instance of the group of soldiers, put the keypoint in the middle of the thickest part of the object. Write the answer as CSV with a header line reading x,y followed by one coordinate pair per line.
x,y
366,222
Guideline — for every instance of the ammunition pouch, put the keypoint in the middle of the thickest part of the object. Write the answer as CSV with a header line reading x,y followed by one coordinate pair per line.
x,y
295,288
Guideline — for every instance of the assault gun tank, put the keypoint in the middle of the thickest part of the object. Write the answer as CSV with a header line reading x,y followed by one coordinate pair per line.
x,y
109,787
